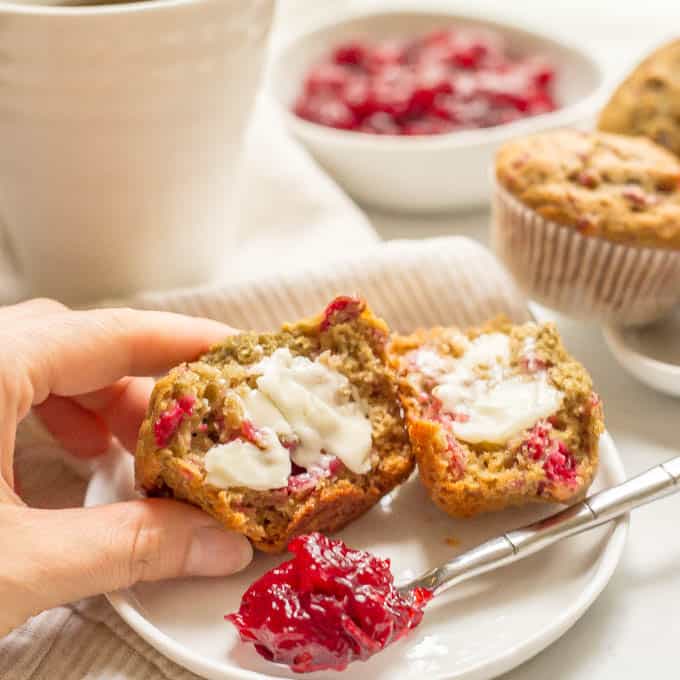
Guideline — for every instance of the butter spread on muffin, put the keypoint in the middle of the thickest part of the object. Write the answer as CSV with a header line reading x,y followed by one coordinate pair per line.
x,y
498,416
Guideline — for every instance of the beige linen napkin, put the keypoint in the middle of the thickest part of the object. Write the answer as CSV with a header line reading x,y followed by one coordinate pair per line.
x,y
409,283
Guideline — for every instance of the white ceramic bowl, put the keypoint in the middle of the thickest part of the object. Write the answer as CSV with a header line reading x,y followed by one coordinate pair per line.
x,y
435,173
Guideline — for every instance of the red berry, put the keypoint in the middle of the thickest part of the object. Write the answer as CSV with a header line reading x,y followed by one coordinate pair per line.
x,y
560,465
430,125
326,110
167,422
385,54
249,432
469,56
439,37
358,96
393,91
326,78
431,80
542,73
381,123
341,310
352,54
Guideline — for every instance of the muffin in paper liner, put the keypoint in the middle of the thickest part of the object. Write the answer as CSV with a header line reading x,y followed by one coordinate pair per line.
x,y
587,277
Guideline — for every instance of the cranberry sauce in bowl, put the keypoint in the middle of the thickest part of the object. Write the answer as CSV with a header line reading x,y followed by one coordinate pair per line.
x,y
328,606
446,80
405,109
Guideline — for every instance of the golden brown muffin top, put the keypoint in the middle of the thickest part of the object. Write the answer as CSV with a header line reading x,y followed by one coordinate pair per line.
x,y
620,188
647,102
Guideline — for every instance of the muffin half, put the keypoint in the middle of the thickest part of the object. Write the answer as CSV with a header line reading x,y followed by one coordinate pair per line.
x,y
498,416
279,434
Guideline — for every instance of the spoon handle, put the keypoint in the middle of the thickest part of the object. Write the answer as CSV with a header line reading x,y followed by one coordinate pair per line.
x,y
658,482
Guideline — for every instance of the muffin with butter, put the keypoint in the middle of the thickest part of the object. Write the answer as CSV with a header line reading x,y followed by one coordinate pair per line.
x,y
280,434
589,223
498,416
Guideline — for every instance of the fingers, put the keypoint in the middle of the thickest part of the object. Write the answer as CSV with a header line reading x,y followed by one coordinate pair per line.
x,y
81,432
36,308
79,352
84,424
7,435
61,556
125,409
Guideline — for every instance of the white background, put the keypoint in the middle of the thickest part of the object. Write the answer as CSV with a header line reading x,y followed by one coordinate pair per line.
x,y
632,631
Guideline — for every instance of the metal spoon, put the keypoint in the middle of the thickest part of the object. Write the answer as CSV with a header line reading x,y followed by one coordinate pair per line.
x,y
600,508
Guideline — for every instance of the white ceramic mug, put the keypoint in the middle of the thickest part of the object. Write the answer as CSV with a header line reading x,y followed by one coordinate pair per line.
x,y
120,132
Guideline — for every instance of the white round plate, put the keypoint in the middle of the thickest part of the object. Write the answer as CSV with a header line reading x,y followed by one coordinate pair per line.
x,y
477,630
650,353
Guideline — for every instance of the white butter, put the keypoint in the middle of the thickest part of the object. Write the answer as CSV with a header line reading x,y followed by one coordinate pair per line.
x,y
240,463
262,413
506,409
463,384
429,362
490,350
294,396
313,400
496,407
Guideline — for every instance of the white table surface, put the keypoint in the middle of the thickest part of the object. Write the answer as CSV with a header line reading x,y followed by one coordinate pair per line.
x,y
631,630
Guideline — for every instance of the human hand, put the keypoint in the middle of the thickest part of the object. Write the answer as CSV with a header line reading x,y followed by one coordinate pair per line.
x,y
75,368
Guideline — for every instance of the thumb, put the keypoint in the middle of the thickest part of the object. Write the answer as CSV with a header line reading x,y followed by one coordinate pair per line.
x,y
65,555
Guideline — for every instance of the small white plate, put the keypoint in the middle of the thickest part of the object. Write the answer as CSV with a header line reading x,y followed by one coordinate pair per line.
x,y
475,631
650,353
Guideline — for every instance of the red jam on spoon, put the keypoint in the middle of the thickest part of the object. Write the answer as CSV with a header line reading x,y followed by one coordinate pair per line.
x,y
327,607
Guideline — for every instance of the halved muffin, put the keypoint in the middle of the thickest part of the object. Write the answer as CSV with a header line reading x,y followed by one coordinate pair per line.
x,y
280,434
498,416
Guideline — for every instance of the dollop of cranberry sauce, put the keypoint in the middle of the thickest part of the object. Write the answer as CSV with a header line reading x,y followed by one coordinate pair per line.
x,y
328,606
447,80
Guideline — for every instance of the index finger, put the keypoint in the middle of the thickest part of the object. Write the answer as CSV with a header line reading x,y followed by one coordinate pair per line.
x,y
78,352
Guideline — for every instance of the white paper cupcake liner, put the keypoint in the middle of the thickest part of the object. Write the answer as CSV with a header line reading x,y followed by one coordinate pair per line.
x,y
583,276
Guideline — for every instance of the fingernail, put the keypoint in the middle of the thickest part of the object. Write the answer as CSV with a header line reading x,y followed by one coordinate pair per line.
x,y
217,552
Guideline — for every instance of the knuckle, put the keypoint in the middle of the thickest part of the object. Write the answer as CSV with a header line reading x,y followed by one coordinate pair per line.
x,y
116,320
21,579
45,304
122,316
145,547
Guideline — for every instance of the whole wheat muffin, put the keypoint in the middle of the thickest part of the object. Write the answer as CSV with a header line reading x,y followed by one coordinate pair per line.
x,y
619,188
498,416
280,434
647,102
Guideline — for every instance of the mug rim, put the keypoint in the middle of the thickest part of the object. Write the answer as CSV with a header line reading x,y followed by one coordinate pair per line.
x,y
127,7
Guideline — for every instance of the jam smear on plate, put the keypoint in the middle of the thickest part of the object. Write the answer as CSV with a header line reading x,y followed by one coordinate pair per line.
x,y
328,606
445,81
